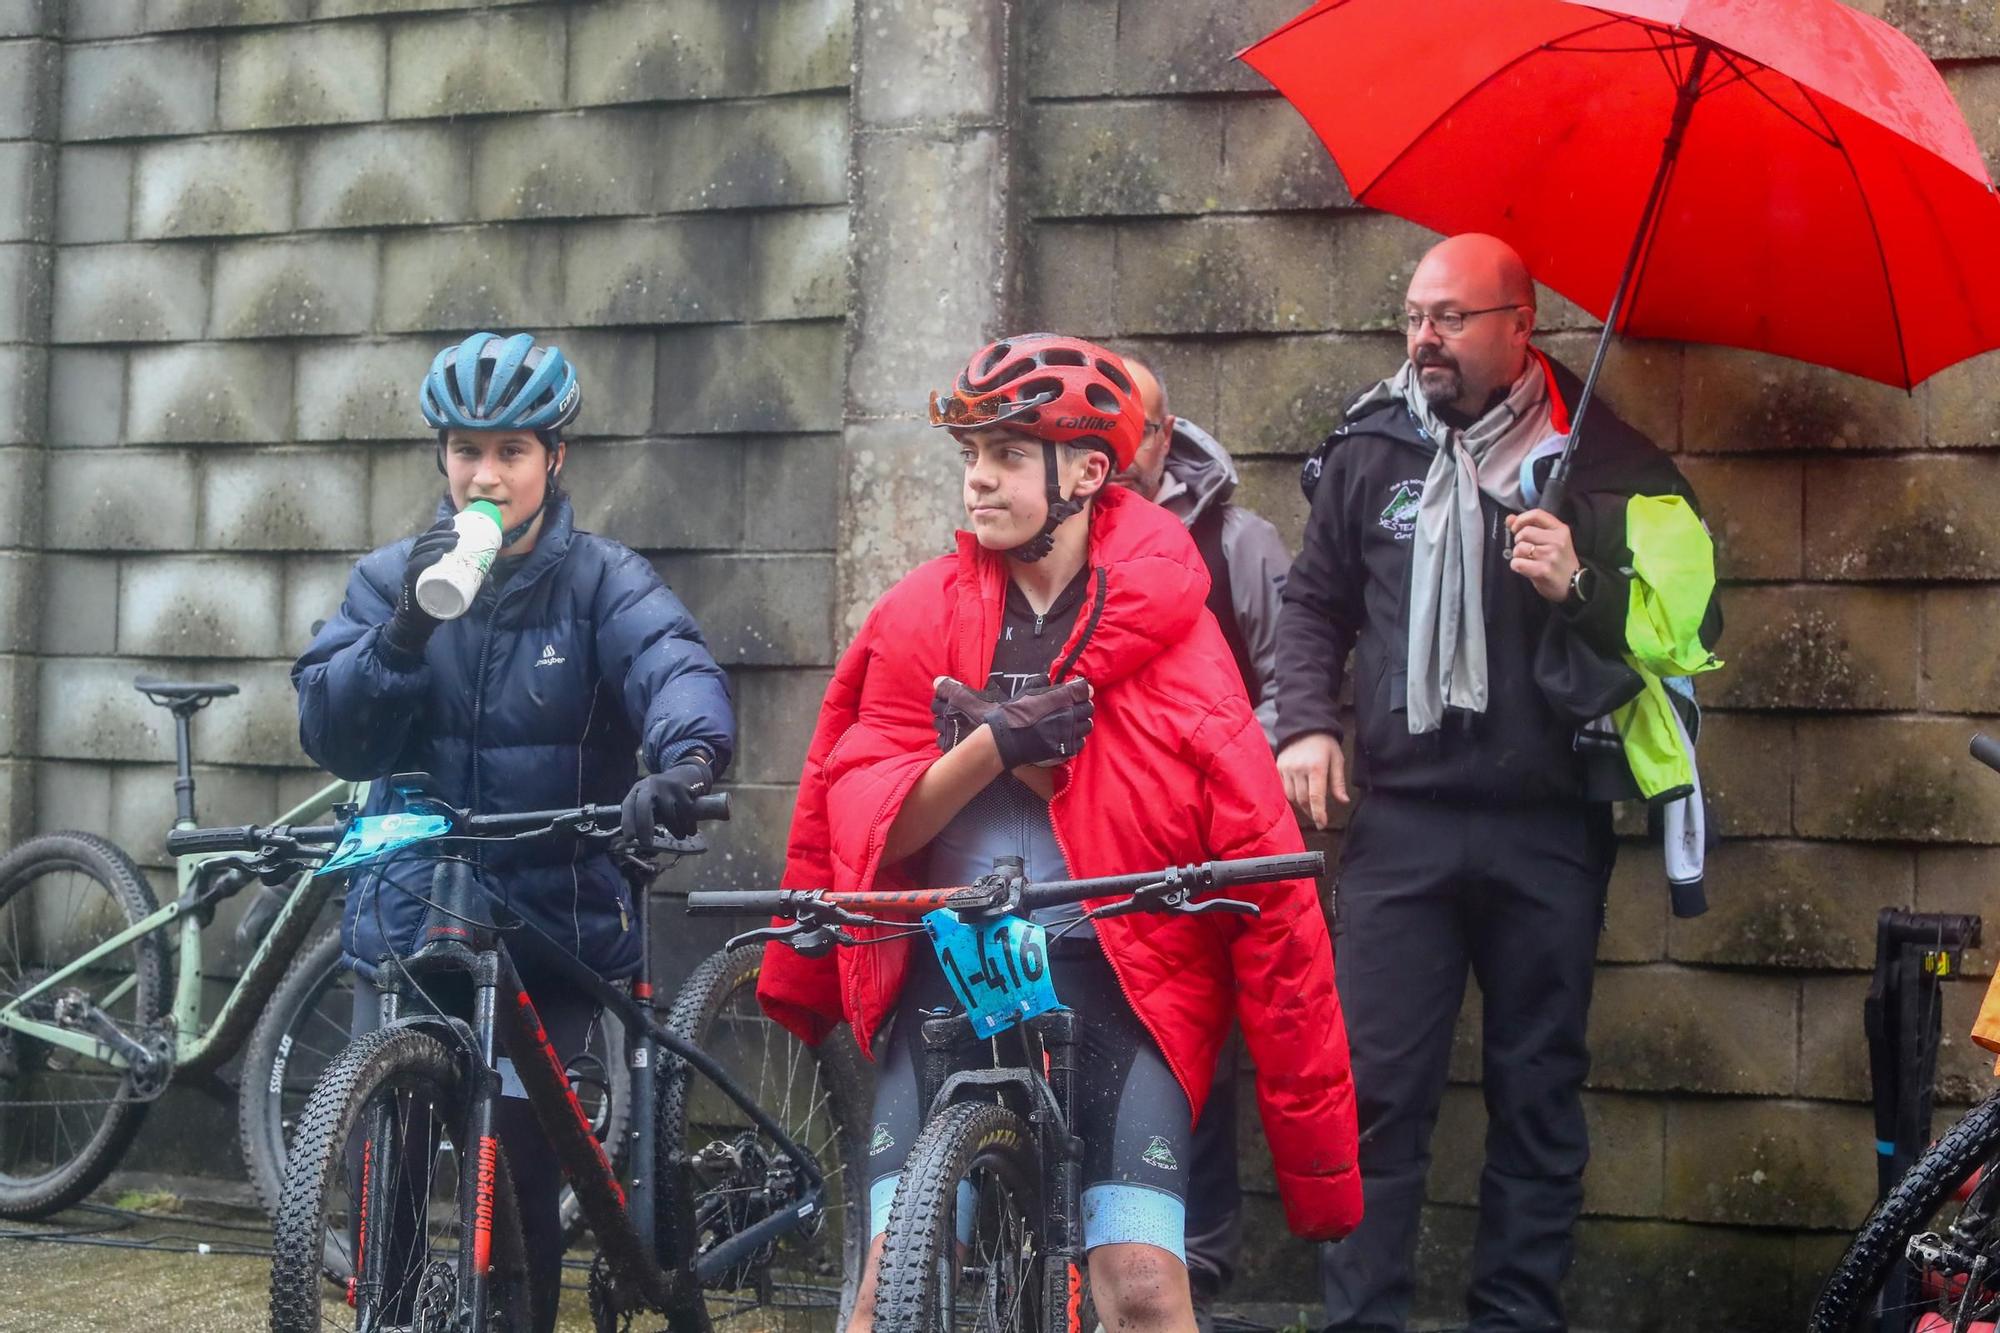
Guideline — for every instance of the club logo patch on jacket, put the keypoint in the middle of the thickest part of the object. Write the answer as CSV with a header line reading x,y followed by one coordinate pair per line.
x,y
1399,516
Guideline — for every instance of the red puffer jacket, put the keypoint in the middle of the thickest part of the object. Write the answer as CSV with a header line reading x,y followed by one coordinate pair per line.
x,y
1175,770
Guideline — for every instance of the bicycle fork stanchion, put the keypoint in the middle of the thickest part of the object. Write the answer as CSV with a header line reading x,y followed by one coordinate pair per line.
x,y
477,1155
1062,1177
374,1203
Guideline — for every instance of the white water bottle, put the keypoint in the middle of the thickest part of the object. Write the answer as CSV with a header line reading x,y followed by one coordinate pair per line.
x,y
447,588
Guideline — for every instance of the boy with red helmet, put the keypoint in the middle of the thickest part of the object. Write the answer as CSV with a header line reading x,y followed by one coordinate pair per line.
x,y
1057,691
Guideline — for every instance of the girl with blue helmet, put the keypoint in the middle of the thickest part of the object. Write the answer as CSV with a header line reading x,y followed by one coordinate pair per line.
x,y
573,658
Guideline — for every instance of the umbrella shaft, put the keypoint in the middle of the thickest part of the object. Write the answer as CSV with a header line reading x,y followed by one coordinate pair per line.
x,y
1628,281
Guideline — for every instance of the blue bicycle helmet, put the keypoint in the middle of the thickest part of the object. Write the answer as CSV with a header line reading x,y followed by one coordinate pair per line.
x,y
492,383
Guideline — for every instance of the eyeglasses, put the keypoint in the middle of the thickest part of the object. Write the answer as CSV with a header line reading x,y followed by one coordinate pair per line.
x,y
1448,323
1152,428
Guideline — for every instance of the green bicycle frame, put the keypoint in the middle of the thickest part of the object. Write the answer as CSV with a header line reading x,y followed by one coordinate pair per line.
x,y
192,1038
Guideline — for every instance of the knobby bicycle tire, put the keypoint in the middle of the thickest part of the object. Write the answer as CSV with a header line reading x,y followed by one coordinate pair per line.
x,y
919,1251
835,1071
1879,1245
317,1162
261,1127
103,864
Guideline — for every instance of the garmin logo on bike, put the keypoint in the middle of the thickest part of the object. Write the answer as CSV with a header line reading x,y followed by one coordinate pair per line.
x,y
881,1141
549,657
1159,1154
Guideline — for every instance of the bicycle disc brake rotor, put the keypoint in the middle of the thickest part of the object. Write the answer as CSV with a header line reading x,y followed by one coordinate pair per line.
x,y
437,1299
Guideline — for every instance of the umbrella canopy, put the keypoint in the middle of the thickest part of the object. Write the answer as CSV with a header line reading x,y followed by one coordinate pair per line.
x,y
1790,176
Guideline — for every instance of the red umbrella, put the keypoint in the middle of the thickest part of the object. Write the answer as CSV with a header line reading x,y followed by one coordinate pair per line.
x,y
1785,175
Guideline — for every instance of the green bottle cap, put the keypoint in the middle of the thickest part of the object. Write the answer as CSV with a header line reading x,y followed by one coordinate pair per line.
x,y
488,508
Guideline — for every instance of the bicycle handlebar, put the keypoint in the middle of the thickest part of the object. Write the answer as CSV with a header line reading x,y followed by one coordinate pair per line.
x,y
1986,750
1054,893
711,809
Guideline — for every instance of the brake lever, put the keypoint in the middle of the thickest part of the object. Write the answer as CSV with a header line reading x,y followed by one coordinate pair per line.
x,y
1207,906
808,941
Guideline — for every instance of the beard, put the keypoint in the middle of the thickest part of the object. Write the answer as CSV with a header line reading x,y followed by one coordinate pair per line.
x,y
1438,378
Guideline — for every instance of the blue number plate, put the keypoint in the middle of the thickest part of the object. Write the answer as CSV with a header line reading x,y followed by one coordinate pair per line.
x,y
999,969
374,837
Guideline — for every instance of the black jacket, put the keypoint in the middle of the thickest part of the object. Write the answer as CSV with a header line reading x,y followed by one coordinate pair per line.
x,y
1549,669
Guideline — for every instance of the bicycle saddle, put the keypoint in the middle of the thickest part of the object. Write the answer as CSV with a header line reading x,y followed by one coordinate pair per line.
x,y
180,693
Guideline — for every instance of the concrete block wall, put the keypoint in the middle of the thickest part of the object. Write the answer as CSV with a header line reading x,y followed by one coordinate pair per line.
x,y
251,225
1174,205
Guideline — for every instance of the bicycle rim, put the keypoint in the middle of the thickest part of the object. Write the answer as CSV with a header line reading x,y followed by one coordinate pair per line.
x,y
65,1116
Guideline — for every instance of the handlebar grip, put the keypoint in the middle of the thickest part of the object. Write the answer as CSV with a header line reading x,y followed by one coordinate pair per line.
x,y
713,808
1269,869
202,841
1986,750
737,902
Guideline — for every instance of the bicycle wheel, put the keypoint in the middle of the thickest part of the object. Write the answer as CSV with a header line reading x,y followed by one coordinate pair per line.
x,y
307,1024
335,1189
65,1118
1939,1220
943,1269
715,1167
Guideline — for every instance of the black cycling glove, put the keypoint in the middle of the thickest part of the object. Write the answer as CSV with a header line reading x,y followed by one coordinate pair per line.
x,y
665,799
410,629
1042,726
955,721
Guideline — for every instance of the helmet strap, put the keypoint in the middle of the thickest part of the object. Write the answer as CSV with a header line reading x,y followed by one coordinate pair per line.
x,y
1061,511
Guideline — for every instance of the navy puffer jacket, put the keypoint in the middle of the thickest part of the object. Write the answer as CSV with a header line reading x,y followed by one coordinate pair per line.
x,y
540,696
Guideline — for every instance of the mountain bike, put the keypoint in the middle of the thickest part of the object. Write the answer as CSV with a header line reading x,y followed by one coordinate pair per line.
x,y
1935,1238
89,1038
1007,1252
395,1161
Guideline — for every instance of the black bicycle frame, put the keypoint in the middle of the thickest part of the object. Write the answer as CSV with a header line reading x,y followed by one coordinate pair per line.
x,y
621,1214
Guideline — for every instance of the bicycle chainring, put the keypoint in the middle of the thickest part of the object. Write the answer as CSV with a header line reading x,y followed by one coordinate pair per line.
x,y
150,1082
605,1315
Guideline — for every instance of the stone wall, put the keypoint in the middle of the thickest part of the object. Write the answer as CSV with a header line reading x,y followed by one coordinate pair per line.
x,y
269,215
1177,206
233,231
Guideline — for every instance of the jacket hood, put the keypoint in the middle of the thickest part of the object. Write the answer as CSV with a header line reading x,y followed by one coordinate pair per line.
x,y
1148,588
1199,462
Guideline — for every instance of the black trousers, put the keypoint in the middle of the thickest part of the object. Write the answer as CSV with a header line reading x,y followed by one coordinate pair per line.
x,y
1428,890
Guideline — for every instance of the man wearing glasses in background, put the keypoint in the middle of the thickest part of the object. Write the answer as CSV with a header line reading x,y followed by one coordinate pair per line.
x,y
1476,843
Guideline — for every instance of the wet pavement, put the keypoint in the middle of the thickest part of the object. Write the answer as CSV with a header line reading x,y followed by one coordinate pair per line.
x,y
99,1271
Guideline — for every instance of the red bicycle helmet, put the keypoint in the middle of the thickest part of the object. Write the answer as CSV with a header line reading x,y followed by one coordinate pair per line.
x,y
1059,390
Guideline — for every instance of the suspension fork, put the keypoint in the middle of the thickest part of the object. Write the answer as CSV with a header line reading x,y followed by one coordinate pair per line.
x,y
1062,1176
374,1204
477,1168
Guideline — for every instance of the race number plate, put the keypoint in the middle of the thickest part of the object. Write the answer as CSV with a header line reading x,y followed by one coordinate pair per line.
x,y
999,969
